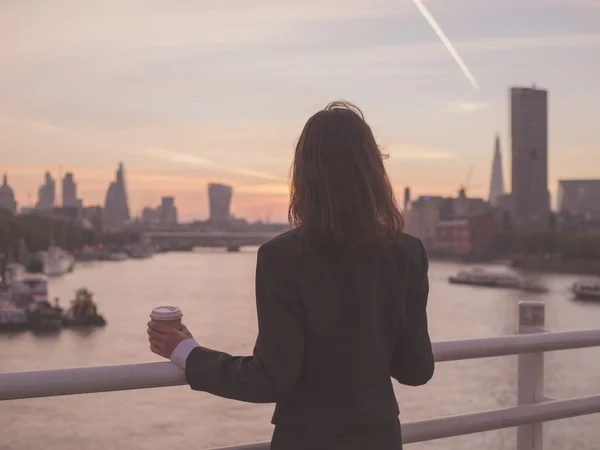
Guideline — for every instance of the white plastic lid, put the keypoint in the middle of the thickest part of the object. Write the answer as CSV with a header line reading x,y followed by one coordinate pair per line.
x,y
166,313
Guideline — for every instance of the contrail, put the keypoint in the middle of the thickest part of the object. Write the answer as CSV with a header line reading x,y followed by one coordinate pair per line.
x,y
438,30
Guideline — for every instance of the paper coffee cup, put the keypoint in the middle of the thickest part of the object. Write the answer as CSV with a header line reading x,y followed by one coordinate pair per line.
x,y
169,315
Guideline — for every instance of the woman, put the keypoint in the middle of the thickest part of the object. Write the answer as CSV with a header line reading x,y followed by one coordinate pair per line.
x,y
341,302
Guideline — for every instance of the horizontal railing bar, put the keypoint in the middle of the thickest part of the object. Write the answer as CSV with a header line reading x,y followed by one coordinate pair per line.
x,y
88,380
445,427
254,446
515,345
85,380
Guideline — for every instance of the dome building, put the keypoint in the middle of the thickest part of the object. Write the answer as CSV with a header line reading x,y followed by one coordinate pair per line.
x,y
7,197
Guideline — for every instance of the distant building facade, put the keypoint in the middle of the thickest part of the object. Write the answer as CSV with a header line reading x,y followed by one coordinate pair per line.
x,y
579,197
92,218
46,194
149,215
69,192
579,205
116,205
465,237
167,211
219,198
7,196
434,218
163,214
529,142
421,219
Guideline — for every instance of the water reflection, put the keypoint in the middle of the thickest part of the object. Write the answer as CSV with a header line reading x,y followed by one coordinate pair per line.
x,y
216,293
46,334
83,332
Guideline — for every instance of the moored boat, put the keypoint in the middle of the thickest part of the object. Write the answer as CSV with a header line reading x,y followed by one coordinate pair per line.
x,y
115,255
83,311
497,279
11,317
90,253
587,289
141,251
42,316
57,261
13,274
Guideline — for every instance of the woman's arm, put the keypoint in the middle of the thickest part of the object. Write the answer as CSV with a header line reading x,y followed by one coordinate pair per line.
x,y
271,372
412,361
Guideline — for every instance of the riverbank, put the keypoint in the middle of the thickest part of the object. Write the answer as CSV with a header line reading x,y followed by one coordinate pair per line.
x,y
557,265
531,263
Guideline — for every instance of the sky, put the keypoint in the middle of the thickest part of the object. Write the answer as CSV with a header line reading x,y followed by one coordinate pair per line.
x,y
185,92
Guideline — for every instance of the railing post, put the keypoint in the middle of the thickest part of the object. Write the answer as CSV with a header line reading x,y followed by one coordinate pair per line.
x,y
531,374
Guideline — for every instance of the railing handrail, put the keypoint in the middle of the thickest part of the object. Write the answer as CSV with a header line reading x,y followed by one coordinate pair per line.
x,y
458,425
533,408
85,380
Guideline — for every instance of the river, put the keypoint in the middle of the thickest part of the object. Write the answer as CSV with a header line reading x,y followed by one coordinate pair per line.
x,y
216,292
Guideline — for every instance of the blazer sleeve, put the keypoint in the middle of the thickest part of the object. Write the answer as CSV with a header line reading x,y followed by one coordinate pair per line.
x,y
270,373
412,361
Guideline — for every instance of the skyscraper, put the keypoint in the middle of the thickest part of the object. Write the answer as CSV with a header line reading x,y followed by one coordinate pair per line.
x,y
46,194
7,196
167,211
529,141
116,206
497,180
219,198
69,191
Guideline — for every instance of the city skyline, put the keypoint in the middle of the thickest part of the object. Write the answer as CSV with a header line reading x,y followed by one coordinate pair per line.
x,y
200,92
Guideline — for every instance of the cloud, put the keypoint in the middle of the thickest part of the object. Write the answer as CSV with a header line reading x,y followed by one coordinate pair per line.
x,y
176,157
416,153
151,25
456,106
185,158
31,125
465,106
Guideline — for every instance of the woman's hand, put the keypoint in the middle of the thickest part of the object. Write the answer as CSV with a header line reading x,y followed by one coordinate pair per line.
x,y
163,338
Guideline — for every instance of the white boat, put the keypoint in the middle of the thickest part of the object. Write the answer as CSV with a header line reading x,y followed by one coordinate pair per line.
x,y
499,279
13,274
587,289
34,285
57,261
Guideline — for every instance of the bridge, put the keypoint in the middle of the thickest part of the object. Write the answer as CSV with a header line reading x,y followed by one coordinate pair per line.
x,y
187,240
532,409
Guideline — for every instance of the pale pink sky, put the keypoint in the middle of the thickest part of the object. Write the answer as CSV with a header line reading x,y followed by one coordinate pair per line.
x,y
186,92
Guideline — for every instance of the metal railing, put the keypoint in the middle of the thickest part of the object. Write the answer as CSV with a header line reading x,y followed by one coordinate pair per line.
x,y
532,409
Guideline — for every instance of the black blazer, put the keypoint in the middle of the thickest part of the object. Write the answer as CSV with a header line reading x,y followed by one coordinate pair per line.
x,y
333,330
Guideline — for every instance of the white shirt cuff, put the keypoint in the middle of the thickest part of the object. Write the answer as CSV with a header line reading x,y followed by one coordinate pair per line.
x,y
182,351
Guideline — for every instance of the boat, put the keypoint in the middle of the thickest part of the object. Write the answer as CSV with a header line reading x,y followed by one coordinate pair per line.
x,y
497,279
587,289
141,251
83,311
57,261
13,273
90,253
11,317
32,286
115,254
42,316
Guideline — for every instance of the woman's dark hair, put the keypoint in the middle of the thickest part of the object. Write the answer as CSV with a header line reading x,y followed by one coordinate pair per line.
x,y
340,191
